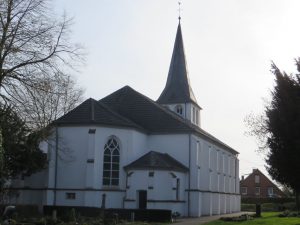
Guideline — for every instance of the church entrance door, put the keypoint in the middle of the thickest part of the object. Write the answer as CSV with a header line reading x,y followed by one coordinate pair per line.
x,y
142,195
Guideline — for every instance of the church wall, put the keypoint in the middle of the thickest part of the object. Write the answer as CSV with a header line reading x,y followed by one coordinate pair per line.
x,y
213,168
76,146
214,171
161,190
176,145
72,156
139,147
82,146
196,204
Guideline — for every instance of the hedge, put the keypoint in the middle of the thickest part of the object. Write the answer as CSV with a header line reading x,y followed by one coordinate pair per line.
x,y
150,215
266,200
270,207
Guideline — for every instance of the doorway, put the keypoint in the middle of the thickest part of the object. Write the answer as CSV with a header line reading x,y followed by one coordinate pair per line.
x,y
142,199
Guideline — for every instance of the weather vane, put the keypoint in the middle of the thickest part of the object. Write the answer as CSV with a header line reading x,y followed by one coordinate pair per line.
x,y
179,10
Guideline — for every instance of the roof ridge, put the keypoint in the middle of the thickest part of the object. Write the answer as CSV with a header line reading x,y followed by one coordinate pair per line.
x,y
92,110
118,115
86,101
180,119
156,160
187,124
163,108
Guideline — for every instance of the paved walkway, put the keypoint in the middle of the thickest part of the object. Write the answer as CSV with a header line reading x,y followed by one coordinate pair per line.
x,y
205,219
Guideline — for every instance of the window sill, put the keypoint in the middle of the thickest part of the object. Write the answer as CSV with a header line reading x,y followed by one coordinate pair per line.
x,y
111,187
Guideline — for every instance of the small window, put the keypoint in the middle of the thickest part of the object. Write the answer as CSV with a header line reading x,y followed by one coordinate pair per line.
x,y
71,195
194,115
257,191
270,191
197,117
244,190
257,180
179,109
151,174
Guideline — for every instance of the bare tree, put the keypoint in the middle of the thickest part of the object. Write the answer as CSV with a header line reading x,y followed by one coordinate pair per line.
x,y
33,46
38,107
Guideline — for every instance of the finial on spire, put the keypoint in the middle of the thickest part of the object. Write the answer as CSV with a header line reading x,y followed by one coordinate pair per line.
x,y
179,11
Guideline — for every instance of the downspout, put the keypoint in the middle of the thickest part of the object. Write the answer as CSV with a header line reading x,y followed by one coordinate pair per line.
x,y
185,117
189,196
56,157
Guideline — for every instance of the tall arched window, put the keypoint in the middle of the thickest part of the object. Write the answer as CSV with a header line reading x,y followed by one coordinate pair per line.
x,y
111,162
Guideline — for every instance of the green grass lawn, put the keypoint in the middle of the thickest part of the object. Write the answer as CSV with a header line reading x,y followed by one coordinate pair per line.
x,y
269,218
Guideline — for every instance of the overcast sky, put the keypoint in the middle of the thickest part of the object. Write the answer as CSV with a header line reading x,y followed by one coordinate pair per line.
x,y
229,46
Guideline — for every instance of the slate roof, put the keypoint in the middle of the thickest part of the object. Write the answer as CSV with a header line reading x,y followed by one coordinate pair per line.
x,y
178,89
143,111
151,116
157,161
94,112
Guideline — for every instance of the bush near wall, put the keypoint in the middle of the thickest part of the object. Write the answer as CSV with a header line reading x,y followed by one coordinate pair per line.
x,y
248,207
270,207
23,210
150,215
266,200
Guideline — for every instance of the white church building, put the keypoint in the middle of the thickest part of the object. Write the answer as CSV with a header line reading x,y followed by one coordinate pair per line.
x,y
138,153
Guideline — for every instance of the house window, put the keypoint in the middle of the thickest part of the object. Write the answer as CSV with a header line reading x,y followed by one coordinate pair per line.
x,y
111,163
244,190
257,180
270,191
70,195
257,190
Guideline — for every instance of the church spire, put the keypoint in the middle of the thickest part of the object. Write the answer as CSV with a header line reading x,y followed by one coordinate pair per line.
x,y
177,89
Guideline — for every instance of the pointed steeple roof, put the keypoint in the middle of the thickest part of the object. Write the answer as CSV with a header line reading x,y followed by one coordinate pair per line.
x,y
177,89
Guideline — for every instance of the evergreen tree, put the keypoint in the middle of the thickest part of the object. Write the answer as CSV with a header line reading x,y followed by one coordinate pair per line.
x,y
282,120
19,151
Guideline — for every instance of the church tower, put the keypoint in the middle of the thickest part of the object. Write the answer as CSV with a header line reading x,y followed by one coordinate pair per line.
x,y
178,95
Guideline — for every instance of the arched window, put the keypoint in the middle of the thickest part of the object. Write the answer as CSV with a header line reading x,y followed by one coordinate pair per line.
x,y
178,109
111,162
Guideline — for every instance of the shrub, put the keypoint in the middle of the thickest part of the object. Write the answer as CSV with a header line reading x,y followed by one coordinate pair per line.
x,y
290,206
248,207
270,207
266,200
27,210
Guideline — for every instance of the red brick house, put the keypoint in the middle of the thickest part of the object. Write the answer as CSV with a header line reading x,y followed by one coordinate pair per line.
x,y
257,185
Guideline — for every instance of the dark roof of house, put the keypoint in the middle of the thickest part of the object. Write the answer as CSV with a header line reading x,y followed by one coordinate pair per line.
x,y
178,89
157,161
94,112
151,116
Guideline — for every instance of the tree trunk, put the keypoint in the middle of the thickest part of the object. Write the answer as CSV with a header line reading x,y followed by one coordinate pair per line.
x,y
297,200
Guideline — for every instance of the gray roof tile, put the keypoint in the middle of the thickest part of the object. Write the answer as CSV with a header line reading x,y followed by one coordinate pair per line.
x,y
94,112
157,161
151,116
